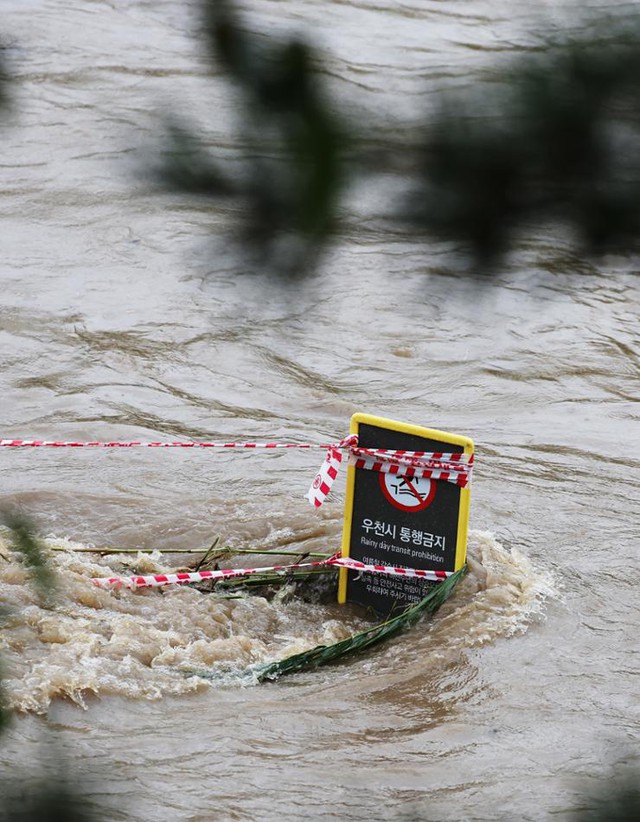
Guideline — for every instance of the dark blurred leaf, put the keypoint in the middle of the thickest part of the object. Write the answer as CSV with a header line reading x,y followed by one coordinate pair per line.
x,y
25,543
290,176
51,798
620,802
563,146
188,168
4,80
5,714
48,800
560,145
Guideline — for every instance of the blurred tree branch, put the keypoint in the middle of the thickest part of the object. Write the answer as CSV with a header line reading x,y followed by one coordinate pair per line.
x,y
52,797
292,172
4,80
563,147
561,144
24,542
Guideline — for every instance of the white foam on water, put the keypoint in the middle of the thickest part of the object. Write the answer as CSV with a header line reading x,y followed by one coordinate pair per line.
x,y
503,593
141,644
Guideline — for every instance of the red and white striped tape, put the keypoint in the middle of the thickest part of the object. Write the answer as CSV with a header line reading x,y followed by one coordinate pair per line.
x,y
158,580
392,570
15,443
453,467
328,471
450,467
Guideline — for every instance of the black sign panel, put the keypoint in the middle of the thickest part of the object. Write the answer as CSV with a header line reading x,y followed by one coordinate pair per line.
x,y
396,521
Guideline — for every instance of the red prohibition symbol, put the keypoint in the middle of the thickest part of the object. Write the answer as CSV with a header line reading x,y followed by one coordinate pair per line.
x,y
408,494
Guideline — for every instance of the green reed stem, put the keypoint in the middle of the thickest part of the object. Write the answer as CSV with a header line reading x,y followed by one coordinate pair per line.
x,y
224,550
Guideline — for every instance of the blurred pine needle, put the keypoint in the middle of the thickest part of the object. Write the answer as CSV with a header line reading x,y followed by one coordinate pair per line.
x,y
23,541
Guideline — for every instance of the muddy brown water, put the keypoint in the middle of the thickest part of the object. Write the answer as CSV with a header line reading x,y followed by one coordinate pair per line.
x,y
119,321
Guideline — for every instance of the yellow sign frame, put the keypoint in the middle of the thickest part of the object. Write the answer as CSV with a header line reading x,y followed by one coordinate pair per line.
x,y
416,430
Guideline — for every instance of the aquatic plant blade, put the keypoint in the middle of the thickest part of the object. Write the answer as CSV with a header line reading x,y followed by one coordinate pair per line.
x,y
322,654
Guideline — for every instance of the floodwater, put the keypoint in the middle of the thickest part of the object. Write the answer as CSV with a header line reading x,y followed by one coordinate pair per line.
x,y
122,319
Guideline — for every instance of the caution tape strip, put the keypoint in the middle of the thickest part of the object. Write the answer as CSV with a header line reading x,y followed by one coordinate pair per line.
x,y
398,571
16,443
183,577
158,580
450,467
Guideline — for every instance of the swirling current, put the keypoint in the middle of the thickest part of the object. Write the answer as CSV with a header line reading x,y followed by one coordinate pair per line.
x,y
124,315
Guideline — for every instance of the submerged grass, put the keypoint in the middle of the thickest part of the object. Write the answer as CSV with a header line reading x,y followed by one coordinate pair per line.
x,y
304,582
322,654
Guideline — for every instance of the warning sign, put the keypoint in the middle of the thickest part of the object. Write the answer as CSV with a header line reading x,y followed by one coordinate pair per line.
x,y
401,520
413,494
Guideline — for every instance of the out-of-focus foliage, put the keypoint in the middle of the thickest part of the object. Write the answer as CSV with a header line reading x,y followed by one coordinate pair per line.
x,y
24,542
290,177
619,802
559,144
52,797
563,146
4,81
